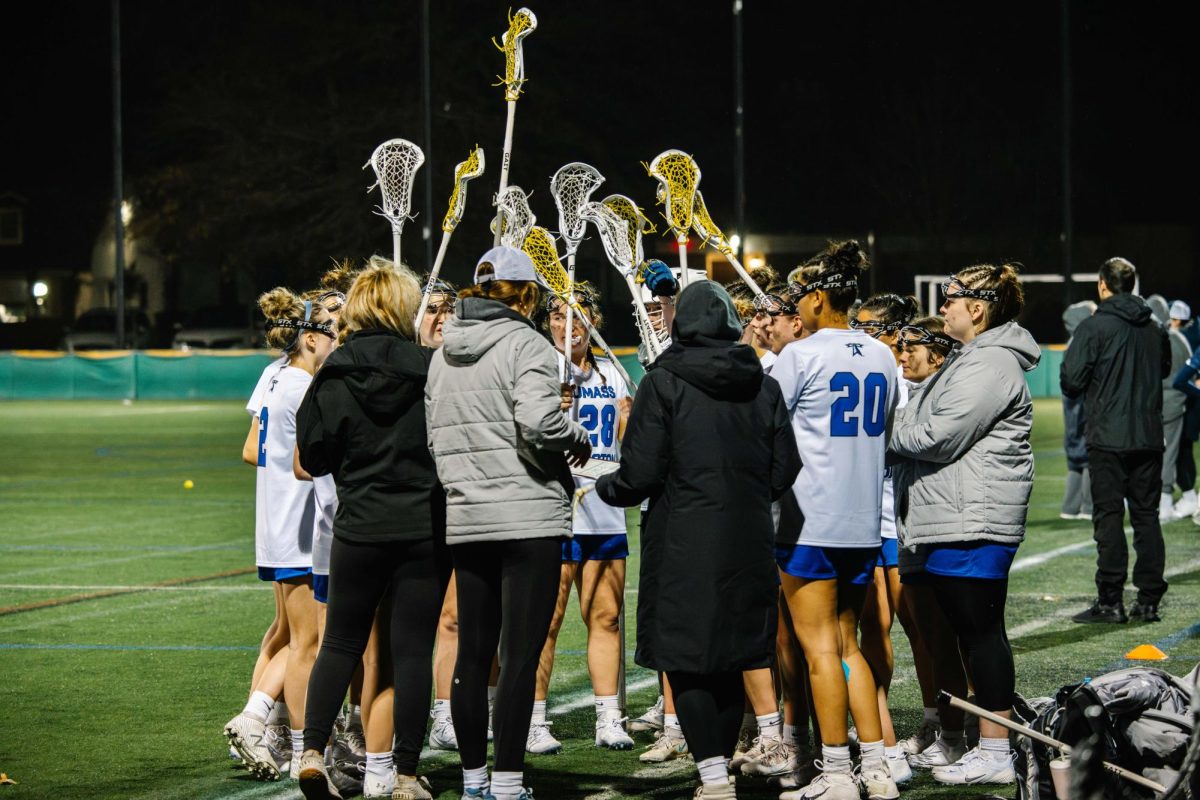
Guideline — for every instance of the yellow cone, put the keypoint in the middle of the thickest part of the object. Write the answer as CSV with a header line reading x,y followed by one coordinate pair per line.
x,y
1146,652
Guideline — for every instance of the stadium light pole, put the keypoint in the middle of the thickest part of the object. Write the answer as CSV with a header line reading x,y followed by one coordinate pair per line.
x,y
1068,232
739,139
427,104
118,176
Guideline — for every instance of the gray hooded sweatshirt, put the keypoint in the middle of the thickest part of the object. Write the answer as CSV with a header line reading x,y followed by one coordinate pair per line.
x,y
966,435
495,428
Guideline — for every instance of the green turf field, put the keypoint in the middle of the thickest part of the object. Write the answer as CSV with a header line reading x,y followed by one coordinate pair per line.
x,y
130,620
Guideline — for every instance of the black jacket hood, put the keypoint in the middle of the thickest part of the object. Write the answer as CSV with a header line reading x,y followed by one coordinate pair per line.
x,y
384,372
1128,307
706,352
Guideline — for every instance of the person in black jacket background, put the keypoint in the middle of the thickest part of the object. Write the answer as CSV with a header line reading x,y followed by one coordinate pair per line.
x,y
363,421
710,444
1118,359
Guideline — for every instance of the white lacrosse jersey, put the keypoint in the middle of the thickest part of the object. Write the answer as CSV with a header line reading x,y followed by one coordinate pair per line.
x,y
887,524
285,510
325,497
598,393
255,403
840,388
768,359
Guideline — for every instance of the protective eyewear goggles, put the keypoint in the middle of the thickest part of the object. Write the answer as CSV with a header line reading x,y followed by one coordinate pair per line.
x,y
833,280
772,305
875,328
333,300
912,334
301,325
962,290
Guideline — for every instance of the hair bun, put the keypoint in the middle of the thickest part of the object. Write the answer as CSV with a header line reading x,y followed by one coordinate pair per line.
x,y
276,303
847,257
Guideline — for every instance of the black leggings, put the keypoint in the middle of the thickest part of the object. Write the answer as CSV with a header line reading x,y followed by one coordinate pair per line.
x,y
710,709
506,596
975,610
416,573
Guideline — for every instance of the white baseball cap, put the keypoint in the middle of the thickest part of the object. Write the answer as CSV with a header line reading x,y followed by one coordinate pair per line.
x,y
506,264
1181,310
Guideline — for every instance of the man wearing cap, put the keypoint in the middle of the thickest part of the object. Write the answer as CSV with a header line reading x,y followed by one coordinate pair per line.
x,y
1174,404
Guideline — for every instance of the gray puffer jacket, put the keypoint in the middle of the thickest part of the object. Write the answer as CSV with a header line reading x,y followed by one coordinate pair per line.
x,y
495,428
966,436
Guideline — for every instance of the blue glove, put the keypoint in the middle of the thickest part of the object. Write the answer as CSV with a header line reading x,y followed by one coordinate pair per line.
x,y
659,279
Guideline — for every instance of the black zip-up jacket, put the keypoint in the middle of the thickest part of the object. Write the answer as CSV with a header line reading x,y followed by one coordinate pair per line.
x,y
363,421
1118,359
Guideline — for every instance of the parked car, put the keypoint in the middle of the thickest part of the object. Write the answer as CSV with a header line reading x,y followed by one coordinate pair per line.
x,y
217,328
96,329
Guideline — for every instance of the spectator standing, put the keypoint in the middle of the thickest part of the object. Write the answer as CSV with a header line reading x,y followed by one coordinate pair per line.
x,y
1185,462
1077,497
1174,405
1117,360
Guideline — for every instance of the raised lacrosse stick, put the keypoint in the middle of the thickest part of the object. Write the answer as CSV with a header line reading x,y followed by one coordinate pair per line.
x,y
514,217
614,235
572,186
464,173
540,247
520,25
703,224
395,162
677,176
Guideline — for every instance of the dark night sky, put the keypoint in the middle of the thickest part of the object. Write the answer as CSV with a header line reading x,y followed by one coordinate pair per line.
x,y
935,120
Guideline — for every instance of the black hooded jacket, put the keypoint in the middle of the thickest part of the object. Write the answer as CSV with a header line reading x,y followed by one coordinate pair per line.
x,y
710,444
1118,359
363,422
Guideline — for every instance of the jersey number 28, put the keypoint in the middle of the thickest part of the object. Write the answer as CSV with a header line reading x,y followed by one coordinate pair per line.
x,y
844,415
604,418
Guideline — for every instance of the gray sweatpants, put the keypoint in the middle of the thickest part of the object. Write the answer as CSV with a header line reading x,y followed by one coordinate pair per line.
x,y
1172,431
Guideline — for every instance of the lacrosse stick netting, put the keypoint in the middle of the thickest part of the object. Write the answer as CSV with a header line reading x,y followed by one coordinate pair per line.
x,y
712,236
395,162
514,217
636,223
520,25
677,176
572,186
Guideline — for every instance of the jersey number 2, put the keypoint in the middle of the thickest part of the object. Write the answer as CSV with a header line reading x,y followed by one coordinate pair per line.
x,y
262,437
843,421
604,418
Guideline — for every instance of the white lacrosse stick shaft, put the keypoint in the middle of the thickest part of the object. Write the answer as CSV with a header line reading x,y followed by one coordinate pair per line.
x,y
683,267
505,161
568,375
745,276
653,345
594,335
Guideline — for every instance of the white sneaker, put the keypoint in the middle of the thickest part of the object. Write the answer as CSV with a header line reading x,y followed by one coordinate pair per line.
x,y
376,788
442,735
666,747
248,735
652,720
610,732
877,782
1166,508
408,787
926,735
314,777
807,769
279,743
827,786
747,738
1186,506
540,741
900,769
976,766
938,754
775,758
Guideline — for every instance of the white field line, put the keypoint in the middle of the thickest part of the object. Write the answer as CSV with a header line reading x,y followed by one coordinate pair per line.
x,y
1028,562
69,564
93,587
134,410
152,524
671,768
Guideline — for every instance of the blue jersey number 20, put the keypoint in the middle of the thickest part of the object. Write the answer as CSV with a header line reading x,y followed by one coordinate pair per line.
x,y
604,418
843,421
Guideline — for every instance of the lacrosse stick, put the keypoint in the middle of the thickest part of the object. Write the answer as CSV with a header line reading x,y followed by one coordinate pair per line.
x,y
703,224
520,25
540,247
615,236
464,173
395,162
514,217
571,187
677,176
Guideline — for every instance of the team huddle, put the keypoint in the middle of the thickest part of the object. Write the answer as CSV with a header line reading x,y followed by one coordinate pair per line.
x,y
809,467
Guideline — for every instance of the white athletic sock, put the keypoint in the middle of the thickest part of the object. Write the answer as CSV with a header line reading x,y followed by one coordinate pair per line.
x,y
770,724
836,759
539,711
441,708
607,705
475,778
996,748
379,765
297,744
259,705
953,737
791,734
871,753
506,785
671,723
713,770
931,715
279,714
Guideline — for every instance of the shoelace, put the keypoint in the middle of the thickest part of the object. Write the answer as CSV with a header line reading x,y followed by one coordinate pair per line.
x,y
355,739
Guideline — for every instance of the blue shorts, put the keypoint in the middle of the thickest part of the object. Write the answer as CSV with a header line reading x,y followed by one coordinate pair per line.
x,y
889,554
986,560
587,547
282,573
321,588
854,565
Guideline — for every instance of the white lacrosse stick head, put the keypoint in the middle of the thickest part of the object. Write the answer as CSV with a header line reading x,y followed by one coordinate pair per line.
x,y
635,221
678,176
395,162
464,173
520,25
572,186
614,235
515,217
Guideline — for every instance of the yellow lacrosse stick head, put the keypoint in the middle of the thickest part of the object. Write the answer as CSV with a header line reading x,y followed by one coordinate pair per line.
x,y
540,247
520,25
465,172
678,176
636,222
704,226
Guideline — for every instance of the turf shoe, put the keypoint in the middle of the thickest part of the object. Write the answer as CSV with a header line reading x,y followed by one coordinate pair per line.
x,y
610,731
771,757
279,742
442,735
247,733
939,754
411,787
375,787
1144,612
314,778
715,791
826,786
899,767
651,720
877,782
807,769
976,766
926,735
747,738
540,741
477,794
1101,612
666,747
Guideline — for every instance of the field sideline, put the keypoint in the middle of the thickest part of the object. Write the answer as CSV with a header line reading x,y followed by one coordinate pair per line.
x,y
130,617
